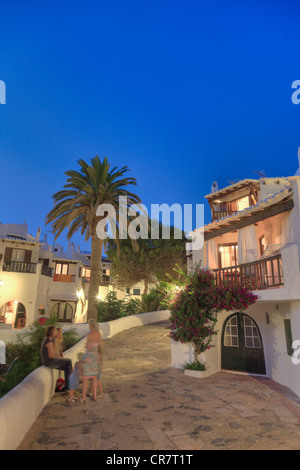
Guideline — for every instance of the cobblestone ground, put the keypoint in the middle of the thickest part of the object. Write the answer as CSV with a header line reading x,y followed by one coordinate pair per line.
x,y
149,406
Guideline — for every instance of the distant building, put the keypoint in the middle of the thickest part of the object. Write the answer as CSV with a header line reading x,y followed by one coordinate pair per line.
x,y
25,276
38,280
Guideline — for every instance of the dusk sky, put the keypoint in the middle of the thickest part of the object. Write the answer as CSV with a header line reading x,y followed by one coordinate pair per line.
x,y
182,92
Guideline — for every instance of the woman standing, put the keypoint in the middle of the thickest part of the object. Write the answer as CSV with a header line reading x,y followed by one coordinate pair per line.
x,y
90,367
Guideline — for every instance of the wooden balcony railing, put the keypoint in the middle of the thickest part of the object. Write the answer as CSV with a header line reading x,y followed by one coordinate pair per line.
x,y
217,215
19,267
262,274
64,278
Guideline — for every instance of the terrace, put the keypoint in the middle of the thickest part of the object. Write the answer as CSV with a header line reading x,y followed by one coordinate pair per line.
x,y
262,274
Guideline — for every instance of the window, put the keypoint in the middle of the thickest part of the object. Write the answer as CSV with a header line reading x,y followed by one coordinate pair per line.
x,y
136,291
227,255
288,337
262,245
18,255
86,272
252,339
61,268
242,203
63,311
231,337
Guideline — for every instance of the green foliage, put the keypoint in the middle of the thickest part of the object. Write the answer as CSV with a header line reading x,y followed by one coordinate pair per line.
x,y
152,260
172,286
70,337
112,308
151,302
195,306
195,366
75,209
23,356
131,307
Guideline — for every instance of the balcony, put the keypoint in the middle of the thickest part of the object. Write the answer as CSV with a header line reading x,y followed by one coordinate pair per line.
x,y
46,271
217,215
105,280
19,267
64,278
262,274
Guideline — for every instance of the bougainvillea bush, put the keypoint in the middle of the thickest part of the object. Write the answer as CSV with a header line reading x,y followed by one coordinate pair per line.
x,y
194,308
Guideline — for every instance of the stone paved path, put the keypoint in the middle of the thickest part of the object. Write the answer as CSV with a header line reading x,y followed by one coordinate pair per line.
x,y
149,406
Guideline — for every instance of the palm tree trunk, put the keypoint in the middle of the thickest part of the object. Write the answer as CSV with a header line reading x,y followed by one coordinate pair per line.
x,y
145,287
96,257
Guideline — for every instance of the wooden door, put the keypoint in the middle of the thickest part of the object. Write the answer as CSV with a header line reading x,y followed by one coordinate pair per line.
x,y
242,347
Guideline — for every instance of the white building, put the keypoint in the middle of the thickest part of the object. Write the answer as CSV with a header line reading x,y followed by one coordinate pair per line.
x,y
38,280
253,240
25,276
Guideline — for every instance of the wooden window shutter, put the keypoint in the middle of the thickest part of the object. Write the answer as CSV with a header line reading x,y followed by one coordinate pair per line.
x,y
27,257
288,337
8,255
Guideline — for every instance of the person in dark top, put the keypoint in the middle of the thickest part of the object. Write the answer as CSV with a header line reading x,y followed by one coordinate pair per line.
x,y
48,355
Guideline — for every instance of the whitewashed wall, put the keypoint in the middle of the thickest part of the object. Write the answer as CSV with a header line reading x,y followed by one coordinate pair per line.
x,y
22,405
279,365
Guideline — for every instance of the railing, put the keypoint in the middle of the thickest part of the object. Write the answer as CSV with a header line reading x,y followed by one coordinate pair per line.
x,y
262,274
105,280
217,215
47,271
19,267
64,278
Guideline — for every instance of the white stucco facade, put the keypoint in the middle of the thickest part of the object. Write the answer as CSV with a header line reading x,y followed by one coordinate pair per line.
x,y
275,220
38,280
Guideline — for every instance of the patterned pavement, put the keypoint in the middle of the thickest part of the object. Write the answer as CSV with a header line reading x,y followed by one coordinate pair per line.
x,y
147,405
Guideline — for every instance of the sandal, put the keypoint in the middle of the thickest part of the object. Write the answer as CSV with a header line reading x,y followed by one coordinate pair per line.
x,y
72,400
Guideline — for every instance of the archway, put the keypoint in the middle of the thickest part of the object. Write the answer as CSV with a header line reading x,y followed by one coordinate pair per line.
x,y
63,311
13,313
242,347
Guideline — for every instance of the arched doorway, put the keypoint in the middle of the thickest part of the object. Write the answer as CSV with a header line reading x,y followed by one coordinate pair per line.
x,y
63,311
13,313
242,347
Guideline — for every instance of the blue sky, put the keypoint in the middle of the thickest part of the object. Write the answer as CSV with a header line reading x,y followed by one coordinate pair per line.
x,y
183,92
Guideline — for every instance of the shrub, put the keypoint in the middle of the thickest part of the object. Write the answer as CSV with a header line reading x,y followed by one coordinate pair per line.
x,y
23,356
131,307
195,366
194,308
110,308
151,302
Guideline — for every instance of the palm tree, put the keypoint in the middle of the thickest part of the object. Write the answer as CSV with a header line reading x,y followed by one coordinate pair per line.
x,y
75,209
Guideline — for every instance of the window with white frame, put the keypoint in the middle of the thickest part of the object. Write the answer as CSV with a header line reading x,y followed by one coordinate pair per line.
x,y
252,339
231,337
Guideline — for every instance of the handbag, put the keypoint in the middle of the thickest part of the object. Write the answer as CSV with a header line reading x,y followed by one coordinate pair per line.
x,y
60,385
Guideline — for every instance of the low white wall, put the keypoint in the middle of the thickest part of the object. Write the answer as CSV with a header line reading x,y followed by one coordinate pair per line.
x,y
22,405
